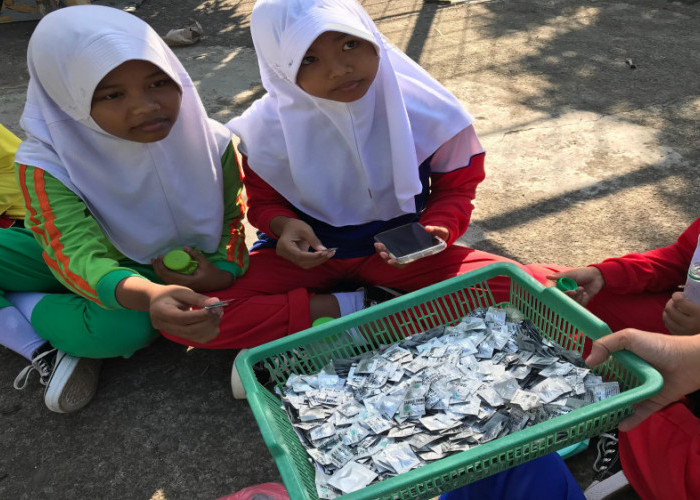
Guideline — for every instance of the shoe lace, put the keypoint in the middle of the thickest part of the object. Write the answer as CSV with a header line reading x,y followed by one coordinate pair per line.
x,y
607,453
43,363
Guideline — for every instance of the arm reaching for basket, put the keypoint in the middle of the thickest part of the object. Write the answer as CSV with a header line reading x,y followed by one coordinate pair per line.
x,y
676,357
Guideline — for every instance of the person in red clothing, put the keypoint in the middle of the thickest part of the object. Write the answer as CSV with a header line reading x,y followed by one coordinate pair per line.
x,y
353,138
661,456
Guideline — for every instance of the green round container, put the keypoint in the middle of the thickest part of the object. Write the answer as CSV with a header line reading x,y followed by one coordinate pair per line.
x,y
566,284
320,321
180,261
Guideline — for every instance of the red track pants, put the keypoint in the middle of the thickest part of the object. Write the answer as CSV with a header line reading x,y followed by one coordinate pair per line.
x,y
272,298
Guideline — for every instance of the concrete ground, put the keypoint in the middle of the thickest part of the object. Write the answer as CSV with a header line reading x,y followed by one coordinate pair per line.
x,y
589,112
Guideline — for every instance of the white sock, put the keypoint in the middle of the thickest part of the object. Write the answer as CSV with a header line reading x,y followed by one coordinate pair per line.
x,y
25,301
17,333
350,302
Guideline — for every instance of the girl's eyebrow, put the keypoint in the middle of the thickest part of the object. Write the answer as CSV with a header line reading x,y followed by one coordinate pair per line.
x,y
158,72
104,87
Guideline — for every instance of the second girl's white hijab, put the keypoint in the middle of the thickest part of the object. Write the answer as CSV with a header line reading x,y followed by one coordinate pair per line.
x,y
148,198
341,163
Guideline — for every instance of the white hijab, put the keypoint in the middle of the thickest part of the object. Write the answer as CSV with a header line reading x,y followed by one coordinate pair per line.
x,y
147,198
341,163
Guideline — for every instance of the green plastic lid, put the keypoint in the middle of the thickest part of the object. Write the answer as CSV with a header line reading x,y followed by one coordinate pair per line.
x,y
320,321
565,284
180,261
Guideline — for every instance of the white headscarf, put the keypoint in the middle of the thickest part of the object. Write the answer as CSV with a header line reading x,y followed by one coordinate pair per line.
x,y
341,163
148,198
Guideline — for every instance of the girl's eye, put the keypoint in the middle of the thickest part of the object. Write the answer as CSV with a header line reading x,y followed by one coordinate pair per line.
x,y
112,96
308,60
350,44
162,82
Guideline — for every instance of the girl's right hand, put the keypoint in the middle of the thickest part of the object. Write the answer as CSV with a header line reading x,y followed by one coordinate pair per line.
x,y
589,279
295,239
178,311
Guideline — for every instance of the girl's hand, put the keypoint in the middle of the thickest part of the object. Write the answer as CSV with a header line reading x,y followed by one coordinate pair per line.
x,y
681,316
676,358
381,249
171,308
178,311
589,279
206,278
295,239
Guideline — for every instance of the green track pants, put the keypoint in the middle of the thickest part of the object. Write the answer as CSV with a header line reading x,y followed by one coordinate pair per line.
x,y
68,321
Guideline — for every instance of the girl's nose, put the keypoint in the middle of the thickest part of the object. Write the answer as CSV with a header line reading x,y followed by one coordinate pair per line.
x,y
339,68
144,104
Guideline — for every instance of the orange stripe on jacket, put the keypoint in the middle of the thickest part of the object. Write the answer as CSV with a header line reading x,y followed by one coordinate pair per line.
x,y
54,234
22,173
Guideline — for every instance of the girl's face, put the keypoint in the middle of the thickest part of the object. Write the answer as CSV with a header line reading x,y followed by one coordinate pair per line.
x,y
339,67
136,101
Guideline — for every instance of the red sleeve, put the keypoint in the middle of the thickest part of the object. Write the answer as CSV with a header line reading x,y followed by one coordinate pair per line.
x,y
451,194
264,203
653,271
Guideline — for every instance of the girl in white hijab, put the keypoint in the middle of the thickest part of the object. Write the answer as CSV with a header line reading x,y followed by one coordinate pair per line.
x,y
120,165
352,138
348,157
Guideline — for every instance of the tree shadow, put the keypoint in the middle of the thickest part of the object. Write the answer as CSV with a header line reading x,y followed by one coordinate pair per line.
x,y
635,62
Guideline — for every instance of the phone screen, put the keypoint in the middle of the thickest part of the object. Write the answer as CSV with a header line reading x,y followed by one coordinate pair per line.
x,y
409,242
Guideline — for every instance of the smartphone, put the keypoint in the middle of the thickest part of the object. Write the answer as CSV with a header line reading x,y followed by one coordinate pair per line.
x,y
410,242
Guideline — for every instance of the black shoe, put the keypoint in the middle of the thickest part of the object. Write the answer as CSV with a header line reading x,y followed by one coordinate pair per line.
x,y
42,362
376,294
609,476
70,382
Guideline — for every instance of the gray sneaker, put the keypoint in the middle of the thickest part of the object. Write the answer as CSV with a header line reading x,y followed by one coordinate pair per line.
x,y
70,382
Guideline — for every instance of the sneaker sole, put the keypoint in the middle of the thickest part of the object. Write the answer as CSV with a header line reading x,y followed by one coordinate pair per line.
x,y
236,382
606,487
72,384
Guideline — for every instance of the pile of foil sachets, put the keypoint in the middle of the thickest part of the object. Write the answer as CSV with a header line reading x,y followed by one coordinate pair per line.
x,y
431,395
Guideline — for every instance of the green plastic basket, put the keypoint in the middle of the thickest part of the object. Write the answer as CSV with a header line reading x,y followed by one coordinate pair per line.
x,y
555,315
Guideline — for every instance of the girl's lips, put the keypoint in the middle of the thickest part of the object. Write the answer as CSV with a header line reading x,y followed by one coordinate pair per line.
x,y
349,86
153,125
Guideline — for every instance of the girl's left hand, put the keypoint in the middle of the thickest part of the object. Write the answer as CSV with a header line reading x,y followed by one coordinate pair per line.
x,y
677,359
381,249
206,278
